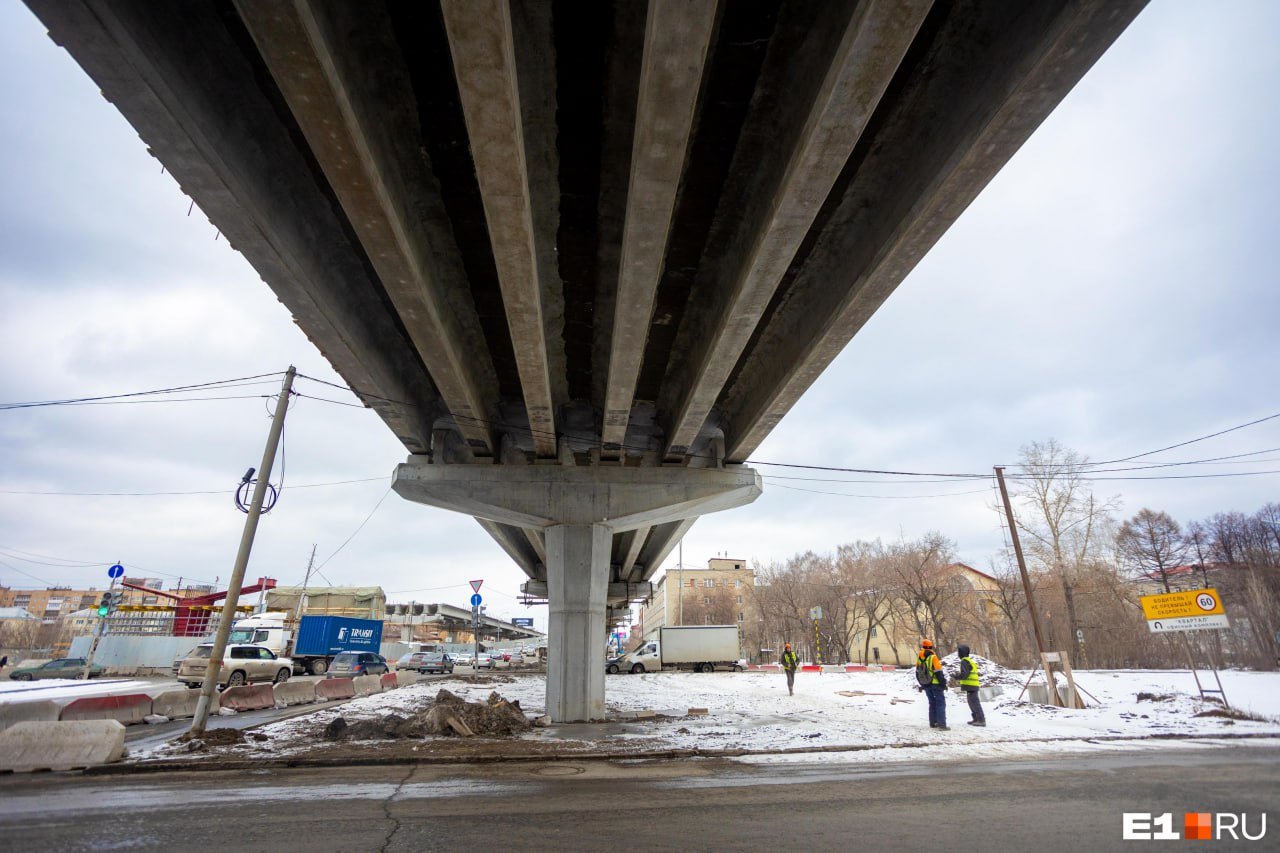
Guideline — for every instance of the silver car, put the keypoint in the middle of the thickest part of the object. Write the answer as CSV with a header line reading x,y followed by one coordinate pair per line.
x,y
242,664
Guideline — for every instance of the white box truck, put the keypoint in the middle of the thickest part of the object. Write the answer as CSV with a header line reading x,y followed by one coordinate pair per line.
x,y
701,648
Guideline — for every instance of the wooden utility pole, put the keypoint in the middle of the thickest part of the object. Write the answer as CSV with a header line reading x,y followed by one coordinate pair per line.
x,y
210,685
1022,563
302,596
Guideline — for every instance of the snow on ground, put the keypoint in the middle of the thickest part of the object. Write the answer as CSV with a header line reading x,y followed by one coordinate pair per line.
x,y
752,711
64,690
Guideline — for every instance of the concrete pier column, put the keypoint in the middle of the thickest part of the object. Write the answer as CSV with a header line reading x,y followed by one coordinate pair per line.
x,y
577,583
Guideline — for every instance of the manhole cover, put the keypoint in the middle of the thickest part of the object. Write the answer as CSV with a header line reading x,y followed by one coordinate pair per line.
x,y
558,770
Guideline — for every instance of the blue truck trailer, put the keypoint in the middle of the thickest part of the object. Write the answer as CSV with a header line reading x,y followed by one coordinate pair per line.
x,y
311,642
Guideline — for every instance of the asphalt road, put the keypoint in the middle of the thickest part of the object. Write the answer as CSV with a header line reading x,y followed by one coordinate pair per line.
x,y
1072,803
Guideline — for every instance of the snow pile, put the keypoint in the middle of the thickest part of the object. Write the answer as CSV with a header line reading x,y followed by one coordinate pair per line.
x,y
448,714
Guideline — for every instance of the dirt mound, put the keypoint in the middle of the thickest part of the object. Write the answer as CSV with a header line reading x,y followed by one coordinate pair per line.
x,y
448,715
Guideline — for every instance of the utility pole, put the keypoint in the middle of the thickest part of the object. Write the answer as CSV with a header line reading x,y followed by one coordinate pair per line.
x,y
210,685
1022,563
302,596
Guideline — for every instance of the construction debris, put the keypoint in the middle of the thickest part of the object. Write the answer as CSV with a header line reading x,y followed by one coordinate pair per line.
x,y
447,715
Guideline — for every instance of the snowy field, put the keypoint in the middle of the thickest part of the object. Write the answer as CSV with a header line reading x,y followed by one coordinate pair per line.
x,y
874,714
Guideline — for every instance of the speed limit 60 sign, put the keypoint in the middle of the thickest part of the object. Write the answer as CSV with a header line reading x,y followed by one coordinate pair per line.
x,y
1178,605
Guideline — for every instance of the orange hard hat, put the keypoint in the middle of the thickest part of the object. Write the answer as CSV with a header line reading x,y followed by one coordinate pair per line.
x,y
926,644
788,645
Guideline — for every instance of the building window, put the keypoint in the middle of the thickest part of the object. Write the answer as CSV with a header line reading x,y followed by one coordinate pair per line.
x,y
737,565
873,632
706,599
693,582
740,619
22,601
706,620
738,582
739,599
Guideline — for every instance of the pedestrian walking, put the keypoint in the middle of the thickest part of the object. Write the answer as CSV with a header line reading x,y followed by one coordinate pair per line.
x,y
789,664
4,661
969,683
933,681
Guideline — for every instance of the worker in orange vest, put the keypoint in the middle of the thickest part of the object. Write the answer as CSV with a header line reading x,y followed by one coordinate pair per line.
x,y
933,681
789,664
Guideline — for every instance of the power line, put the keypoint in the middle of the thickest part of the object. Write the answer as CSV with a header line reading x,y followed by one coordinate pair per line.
x,y
353,533
172,494
175,389
879,497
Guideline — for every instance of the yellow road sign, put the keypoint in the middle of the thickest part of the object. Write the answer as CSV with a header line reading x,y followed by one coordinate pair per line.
x,y
1178,605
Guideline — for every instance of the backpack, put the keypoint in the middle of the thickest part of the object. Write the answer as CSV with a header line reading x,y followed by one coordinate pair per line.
x,y
924,673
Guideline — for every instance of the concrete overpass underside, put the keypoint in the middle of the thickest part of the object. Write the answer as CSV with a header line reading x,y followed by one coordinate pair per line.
x,y
582,257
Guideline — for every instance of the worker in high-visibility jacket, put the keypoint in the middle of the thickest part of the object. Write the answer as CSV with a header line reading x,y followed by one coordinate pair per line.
x,y
969,683
789,664
932,679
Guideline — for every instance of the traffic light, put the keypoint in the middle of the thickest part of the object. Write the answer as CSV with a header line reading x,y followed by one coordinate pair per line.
x,y
104,606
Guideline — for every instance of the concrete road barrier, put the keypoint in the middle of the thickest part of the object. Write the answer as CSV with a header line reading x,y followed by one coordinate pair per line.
x,y
367,685
811,667
41,711
126,710
335,688
406,677
855,667
31,746
176,704
887,668
832,667
390,680
295,693
250,697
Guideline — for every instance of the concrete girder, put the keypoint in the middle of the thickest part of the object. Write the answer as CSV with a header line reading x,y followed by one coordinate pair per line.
x,y
543,496
875,38
481,41
181,81
516,544
631,551
662,541
914,180
677,36
617,593
367,142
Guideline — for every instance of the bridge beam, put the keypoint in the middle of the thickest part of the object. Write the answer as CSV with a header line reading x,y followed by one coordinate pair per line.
x,y
578,510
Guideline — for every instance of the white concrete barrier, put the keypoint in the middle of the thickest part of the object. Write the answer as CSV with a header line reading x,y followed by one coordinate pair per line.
x,y
408,676
36,711
175,704
295,693
367,685
60,745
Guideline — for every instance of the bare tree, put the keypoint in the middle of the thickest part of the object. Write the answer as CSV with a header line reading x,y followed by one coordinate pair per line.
x,y
1152,542
1063,520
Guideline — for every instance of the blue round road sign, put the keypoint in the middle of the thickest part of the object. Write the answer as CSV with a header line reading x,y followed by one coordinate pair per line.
x,y
475,599
115,571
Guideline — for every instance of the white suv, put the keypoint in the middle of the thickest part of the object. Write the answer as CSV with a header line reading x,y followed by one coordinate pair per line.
x,y
242,664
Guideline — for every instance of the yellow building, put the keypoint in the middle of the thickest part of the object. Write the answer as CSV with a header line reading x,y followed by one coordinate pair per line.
x,y
720,594
968,612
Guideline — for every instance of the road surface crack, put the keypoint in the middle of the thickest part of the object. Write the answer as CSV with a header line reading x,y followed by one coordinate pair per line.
x,y
386,811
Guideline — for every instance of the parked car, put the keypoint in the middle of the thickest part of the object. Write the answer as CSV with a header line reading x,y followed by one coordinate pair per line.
x,y
60,668
463,659
241,664
351,664
426,662
484,660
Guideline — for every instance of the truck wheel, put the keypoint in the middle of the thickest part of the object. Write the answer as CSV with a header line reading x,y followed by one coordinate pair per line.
x,y
611,668
317,667
236,679
737,667
636,669
282,676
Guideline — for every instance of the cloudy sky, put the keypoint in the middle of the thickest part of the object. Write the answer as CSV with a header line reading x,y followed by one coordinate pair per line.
x,y
1114,287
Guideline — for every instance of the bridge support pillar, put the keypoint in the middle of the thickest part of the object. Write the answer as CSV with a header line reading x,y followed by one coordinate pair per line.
x,y
578,510
577,582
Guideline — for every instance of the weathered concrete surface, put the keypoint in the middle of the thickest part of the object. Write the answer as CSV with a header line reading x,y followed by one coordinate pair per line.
x,y
249,697
577,583
335,688
31,746
366,685
127,709
294,693
176,704
545,495
41,710
390,680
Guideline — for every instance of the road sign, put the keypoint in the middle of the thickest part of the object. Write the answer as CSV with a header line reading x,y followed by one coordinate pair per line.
x,y
1179,605
815,613
476,599
115,571
523,621
1080,635
475,585
1187,623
